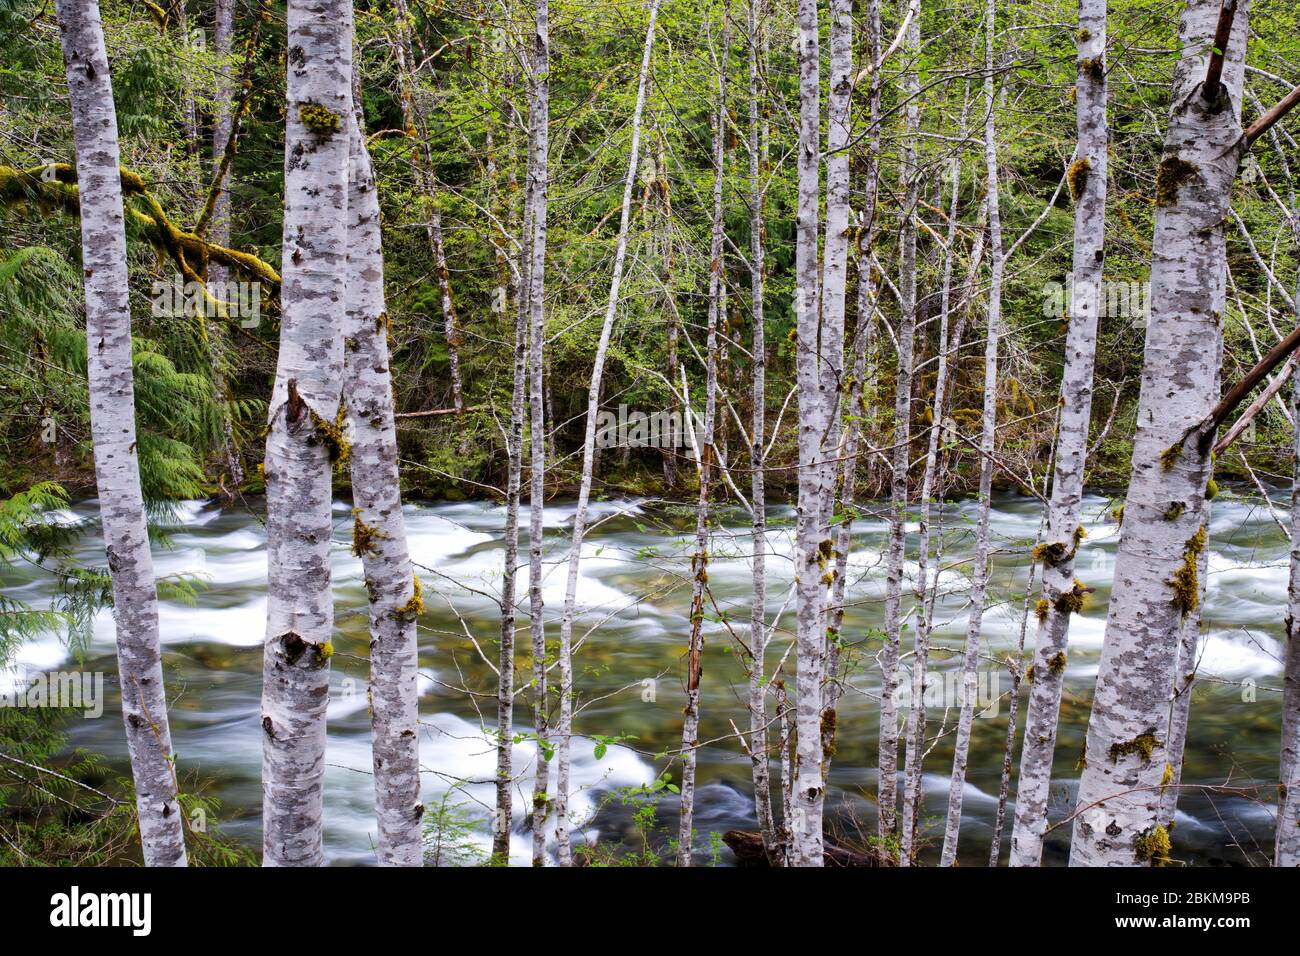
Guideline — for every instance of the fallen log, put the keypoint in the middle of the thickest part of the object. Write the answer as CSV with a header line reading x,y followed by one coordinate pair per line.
x,y
748,847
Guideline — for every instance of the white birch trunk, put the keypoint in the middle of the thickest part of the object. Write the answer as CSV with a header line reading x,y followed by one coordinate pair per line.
x,y
502,823
924,605
565,659
219,226
1088,180
980,569
379,537
1286,849
538,187
758,631
1180,705
835,267
812,558
303,437
700,560
887,783
1156,581
112,425
858,409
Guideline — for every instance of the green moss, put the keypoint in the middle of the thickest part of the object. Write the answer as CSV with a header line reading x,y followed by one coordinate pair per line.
x,y
1186,582
1041,609
1168,777
829,724
1057,664
324,652
332,434
1078,177
1153,846
1095,68
1174,511
1051,554
1211,490
1173,172
1073,600
1169,457
1084,35
1029,674
319,119
363,536
1119,515
1144,744
415,606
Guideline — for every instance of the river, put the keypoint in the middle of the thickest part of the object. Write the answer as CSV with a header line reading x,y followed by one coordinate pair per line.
x,y
634,596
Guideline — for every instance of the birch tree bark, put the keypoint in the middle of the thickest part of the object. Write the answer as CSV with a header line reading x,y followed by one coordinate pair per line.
x,y
304,436
858,407
219,228
222,122
923,600
887,784
1088,181
379,532
565,659
835,265
700,560
502,823
112,426
812,559
980,564
1157,575
1286,848
758,631
538,184
1180,705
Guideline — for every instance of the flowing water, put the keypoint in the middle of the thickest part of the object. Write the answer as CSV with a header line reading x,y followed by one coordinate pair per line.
x,y
633,594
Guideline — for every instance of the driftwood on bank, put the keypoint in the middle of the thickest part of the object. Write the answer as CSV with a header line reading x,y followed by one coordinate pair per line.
x,y
748,847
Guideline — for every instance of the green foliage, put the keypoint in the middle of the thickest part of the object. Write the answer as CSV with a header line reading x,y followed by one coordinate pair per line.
x,y
452,837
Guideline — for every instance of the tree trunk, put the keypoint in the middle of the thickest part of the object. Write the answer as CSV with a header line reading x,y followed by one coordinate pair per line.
x,y
565,659
379,532
502,823
835,267
700,560
1156,581
887,784
304,436
924,605
980,569
812,559
538,185
1088,181
1287,843
902,443
758,631
219,225
112,425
